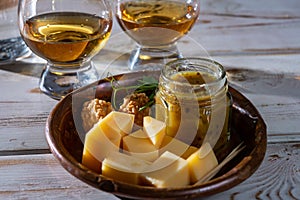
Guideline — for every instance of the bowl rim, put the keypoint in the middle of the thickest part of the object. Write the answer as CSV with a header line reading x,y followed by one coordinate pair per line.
x,y
243,170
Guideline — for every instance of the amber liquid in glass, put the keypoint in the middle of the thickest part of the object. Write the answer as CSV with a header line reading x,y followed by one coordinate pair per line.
x,y
156,23
66,36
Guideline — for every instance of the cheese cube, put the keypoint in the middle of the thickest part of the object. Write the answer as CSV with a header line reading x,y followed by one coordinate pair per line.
x,y
201,162
155,130
97,146
169,170
90,161
122,167
177,147
189,152
117,123
139,145
105,137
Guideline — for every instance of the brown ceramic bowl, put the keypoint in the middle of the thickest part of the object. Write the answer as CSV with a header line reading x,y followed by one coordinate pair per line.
x,y
65,134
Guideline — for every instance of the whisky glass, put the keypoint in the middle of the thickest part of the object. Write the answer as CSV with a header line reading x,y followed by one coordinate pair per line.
x,y
67,34
155,26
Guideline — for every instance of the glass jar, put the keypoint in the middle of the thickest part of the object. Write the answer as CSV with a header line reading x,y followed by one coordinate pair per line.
x,y
194,101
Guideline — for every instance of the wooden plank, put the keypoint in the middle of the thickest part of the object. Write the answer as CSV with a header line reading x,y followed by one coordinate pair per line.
x,y
258,9
23,115
220,34
41,176
277,178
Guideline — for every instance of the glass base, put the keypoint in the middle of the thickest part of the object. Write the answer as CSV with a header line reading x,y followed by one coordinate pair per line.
x,y
57,83
145,58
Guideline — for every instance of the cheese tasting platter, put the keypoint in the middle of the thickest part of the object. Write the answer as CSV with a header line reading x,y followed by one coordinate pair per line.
x,y
98,138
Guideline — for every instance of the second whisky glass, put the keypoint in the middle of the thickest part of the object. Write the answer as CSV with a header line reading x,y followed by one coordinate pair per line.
x,y
156,26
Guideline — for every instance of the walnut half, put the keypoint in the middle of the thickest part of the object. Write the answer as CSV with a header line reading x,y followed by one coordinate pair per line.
x,y
132,103
93,111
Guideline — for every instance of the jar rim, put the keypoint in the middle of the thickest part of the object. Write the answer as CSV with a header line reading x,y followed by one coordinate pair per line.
x,y
177,65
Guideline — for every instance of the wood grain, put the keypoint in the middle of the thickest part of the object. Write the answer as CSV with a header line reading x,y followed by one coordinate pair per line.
x,y
23,113
277,178
253,9
46,180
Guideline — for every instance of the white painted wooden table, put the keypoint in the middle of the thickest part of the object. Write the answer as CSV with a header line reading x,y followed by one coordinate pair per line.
x,y
257,41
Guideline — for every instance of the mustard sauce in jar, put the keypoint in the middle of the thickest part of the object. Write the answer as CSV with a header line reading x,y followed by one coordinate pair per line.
x,y
194,101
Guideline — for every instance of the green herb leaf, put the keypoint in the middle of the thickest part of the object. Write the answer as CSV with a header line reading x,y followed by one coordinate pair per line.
x,y
147,85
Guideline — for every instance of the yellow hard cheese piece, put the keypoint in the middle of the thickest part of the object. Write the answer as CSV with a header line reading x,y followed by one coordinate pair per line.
x,y
189,152
201,162
177,147
122,167
169,170
97,146
105,137
117,123
139,145
90,161
155,130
